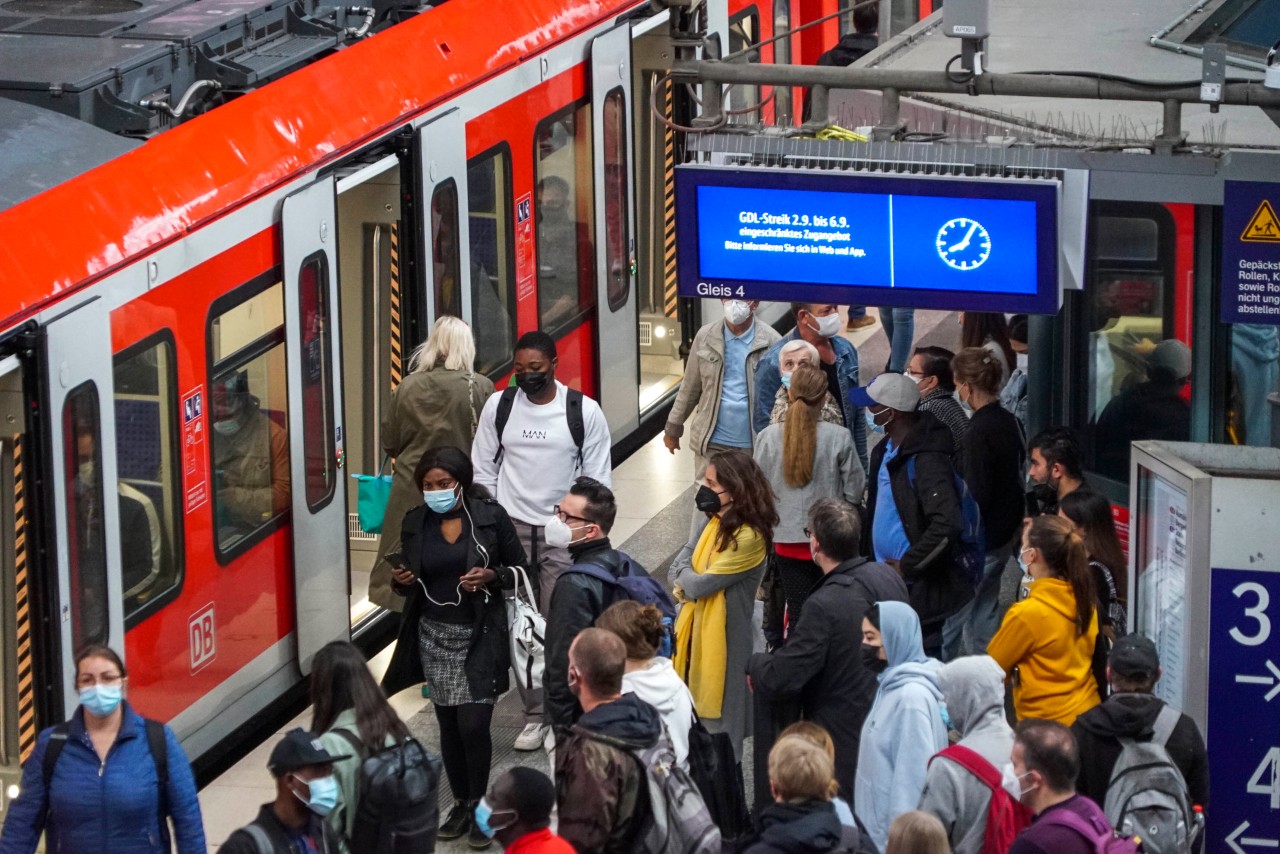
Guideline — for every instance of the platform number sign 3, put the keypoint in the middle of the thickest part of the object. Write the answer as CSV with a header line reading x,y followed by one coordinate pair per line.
x,y
200,630
1244,711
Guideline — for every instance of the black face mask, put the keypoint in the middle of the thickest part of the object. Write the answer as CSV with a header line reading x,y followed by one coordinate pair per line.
x,y
707,499
533,383
871,659
1043,494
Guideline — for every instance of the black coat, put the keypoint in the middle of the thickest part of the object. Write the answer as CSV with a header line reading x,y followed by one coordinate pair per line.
x,y
241,842
489,656
810,827
1098,731
821,662
932,520
991,458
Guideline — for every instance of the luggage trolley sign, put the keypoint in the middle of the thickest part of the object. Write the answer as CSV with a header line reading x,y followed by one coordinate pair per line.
x,y
981,244
1244,711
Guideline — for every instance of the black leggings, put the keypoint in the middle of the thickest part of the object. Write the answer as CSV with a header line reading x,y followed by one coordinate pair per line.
x,y
466,748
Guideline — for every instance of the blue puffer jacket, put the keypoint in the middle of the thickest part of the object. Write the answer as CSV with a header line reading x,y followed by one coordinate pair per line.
x,y
104,807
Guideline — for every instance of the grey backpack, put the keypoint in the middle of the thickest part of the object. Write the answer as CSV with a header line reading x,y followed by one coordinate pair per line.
x,y
1147,797
680,822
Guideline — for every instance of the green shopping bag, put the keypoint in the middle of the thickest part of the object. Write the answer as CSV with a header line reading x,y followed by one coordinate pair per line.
x,y
372,493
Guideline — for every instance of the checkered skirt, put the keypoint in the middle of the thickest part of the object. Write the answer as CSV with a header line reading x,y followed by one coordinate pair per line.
x,y
443,647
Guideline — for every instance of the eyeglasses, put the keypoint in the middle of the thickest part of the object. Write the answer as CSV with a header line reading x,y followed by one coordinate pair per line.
x,y
88,680
808,533
565,517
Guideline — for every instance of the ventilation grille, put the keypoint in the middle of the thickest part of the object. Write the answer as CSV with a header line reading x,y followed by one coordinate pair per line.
x,y
355,532
646,333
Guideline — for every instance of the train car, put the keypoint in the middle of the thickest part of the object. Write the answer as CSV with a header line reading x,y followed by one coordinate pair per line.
x,y
224,229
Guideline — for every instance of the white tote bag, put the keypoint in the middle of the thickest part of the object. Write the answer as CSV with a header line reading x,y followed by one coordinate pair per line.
x,y
528,632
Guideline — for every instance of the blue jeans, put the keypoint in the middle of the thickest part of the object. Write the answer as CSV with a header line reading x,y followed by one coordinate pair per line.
x,y
900,327
857,312
977,622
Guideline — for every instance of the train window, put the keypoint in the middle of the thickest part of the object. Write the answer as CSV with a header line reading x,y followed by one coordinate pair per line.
x,y
318,440
617,260
493,297
565,219
1138,375
446,261
148,487
248,414
86,543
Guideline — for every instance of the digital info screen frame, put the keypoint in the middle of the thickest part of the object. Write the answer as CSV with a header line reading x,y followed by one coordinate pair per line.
x,y
975,244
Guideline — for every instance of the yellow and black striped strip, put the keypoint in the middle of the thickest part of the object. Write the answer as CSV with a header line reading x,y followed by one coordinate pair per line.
x,y
670,285
27,729
397,351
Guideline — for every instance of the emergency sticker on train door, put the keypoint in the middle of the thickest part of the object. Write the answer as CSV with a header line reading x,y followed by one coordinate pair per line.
x,y
524,246
195,462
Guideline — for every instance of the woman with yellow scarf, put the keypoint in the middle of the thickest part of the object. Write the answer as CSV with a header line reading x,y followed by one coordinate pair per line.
x,y
715,580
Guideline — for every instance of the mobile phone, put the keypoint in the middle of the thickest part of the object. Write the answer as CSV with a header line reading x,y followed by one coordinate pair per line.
x,y
396,560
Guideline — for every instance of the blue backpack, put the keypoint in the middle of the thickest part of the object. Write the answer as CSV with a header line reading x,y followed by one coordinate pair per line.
x,y
969,554
630,581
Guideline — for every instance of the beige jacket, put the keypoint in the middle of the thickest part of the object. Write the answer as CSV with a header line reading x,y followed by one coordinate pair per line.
x,y
704,377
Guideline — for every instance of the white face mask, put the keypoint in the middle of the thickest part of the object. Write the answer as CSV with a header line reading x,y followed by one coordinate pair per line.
x,y
828,326
1021,360
558,534
1012,783
736,312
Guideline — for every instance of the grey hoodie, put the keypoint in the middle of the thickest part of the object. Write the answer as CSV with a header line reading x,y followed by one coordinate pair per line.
x,y
973,687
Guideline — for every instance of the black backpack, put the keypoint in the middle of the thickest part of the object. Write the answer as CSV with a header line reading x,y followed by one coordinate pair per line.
x,y
718,776
156,743
572,413
396,798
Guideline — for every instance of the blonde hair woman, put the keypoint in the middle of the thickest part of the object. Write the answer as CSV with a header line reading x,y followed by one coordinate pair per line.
x,y
804,459
792,355
917,832
436,405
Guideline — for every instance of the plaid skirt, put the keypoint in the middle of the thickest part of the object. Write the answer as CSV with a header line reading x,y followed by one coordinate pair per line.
x,y
443,647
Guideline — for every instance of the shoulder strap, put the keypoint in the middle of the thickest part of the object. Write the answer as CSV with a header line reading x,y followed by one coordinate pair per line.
x,y
1165,724
973,762
259,837
1063,817
501,417
577,427
594,570
159,747
57,741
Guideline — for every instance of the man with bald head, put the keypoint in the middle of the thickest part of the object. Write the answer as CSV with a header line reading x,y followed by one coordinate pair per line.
x,y
601,790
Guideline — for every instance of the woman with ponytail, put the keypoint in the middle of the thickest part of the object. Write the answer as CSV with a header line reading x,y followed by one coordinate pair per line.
x,y
1046,641
804,459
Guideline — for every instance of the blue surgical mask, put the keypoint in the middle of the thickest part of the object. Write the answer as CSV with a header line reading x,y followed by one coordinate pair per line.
x,y
484,819
101,700
871,421
324,795
440,500
1023,565
227,427
946,716
786,380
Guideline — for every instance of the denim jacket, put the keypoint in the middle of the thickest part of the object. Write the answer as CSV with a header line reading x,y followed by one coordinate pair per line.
x,y
769,380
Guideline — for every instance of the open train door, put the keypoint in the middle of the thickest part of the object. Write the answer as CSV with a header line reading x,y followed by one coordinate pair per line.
x,y
78,388
616,297
316,446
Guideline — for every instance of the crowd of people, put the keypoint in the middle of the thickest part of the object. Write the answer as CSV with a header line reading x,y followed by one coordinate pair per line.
x,y
874,689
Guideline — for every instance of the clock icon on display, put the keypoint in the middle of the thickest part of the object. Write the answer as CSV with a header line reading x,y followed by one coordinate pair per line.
x,y
963,244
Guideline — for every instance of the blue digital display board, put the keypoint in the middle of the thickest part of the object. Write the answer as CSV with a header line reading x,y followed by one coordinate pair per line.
x,y
866,239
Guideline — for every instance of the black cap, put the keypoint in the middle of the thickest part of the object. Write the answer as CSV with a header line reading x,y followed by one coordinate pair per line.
x,y
298,749
1135,657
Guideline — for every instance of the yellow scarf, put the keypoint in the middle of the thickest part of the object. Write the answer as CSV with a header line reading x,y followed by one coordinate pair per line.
x,y
701,653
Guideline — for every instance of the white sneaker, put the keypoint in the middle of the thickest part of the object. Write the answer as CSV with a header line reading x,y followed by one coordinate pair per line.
x,y
530,738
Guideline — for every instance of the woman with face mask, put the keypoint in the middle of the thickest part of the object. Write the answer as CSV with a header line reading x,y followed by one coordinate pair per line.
x,y
905,726
1046,642
436,405
992,459
715,578
458,550
94,782
792,355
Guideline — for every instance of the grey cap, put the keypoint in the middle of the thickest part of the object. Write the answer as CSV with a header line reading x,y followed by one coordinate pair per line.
x,y
895,391
1173,357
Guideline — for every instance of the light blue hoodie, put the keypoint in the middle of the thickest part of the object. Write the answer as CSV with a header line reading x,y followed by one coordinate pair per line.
x,y
904,728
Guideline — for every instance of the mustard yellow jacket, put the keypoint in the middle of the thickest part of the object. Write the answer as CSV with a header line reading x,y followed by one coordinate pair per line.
x,y
1053,663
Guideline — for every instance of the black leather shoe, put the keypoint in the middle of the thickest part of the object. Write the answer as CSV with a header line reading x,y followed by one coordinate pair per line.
x,y
458,822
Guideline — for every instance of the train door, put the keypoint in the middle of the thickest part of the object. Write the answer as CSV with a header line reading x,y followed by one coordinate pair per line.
x,y
443,167
321,584
619,355
79,386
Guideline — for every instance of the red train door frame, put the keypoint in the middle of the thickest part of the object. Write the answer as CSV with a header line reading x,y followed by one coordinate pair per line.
x,y
442,153
322,584
617,329
81,409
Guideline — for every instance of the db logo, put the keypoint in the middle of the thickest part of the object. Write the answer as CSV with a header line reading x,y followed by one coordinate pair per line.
x,y
200,630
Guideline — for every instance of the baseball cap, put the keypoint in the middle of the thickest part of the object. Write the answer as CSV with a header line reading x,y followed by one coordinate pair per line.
x,y
1172,356
1135,657
892,390
298,749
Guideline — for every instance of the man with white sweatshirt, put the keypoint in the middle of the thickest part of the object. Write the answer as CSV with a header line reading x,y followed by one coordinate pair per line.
x,y
973,689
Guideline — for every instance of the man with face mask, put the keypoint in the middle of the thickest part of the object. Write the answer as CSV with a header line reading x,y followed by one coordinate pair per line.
x,y
531,442
250,457
916,521
819,324
517,813
1054,469
306,791
820,663
1045,764
718,389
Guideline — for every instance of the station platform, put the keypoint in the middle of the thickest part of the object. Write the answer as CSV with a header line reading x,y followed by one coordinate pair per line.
x,y
654,491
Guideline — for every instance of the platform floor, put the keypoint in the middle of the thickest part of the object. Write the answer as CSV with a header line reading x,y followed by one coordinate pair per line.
x,y
654,490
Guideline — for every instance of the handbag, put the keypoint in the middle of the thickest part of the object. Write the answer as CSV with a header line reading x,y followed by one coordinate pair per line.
x,y
715,769
527,630
373,491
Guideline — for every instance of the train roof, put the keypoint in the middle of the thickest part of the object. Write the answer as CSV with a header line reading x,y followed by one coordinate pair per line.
x,y
204,168
1088,37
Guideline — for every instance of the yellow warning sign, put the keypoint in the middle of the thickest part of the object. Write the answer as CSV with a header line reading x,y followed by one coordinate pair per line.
x,y
1264,225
